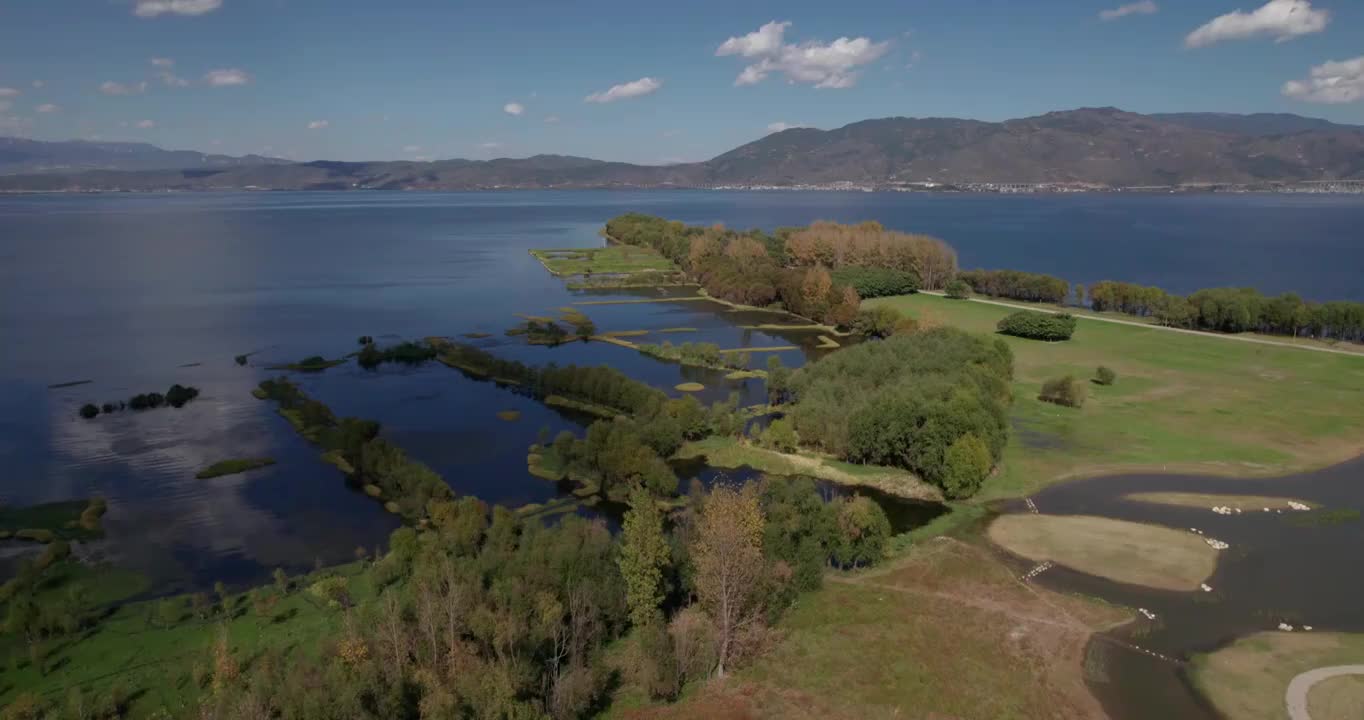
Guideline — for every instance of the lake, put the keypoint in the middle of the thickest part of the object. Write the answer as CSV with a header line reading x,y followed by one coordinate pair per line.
x,y
136,292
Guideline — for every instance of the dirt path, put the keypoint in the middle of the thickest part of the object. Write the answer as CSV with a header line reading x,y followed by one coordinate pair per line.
x,y
1149,326
1296,697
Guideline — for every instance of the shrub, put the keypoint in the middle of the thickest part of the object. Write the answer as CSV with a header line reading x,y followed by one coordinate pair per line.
x,y
781,435
1064,391
870,282
965,466
240,359
876,322
1038,325
365,340
89,411
1105,375
958,289
178,395
108,407
863,531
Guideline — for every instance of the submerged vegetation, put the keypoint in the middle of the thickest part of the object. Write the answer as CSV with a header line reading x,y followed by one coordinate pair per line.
x,y
232,467
407,353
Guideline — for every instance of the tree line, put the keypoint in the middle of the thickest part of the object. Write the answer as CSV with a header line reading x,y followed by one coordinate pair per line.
x,y
1016,285
792,266
1233,310
177,397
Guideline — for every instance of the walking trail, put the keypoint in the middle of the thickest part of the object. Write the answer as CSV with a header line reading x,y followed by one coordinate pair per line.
x,y
1296,697
1150,326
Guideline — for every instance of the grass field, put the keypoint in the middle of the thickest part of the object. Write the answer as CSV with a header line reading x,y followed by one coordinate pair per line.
x,y
625,259
726,452
1127,552
946,631
1247,679
1182,402
1211,500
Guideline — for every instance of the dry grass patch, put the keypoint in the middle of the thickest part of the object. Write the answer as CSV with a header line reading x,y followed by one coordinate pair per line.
x,y
1247,680
1128,552
1211,500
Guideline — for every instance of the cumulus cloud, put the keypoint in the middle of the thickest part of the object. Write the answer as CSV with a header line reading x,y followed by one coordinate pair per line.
x,y
109,87
9,92
412,148
225,77
766,40
47,108
551,119
146,124
318,124
513,108
825,66
1145,7
153,8
1281,19
777,127
1334,81
490,145
636,88
38,84
163,62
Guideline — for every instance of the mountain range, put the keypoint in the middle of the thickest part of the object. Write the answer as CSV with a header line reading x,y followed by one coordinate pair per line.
x,y
1100,146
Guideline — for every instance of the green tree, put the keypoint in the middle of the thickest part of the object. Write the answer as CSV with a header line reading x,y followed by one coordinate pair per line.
x,y
1105,375
877,322
864,530
644,555
965,466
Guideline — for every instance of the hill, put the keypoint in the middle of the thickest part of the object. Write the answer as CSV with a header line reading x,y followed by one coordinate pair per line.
x,y
1100,146
18,155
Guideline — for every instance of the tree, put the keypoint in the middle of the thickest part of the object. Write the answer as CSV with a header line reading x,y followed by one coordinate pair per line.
x,y
957,289
778,380
781,435
863,531
89,410
730,571
1105,375
965,465
877,322
644,555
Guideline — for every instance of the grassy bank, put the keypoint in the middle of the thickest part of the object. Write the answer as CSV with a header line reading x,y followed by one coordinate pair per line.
x,y
1248,679
613,259
727,452
1127,552
1211,500
1182,402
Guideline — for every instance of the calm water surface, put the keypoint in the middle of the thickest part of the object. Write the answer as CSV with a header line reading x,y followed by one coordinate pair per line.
x,y
135,292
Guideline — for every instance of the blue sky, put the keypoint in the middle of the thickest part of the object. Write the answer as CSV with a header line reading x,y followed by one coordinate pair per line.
x,y
466,78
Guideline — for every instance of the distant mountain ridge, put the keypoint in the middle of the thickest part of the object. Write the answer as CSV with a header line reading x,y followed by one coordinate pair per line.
x,y
1099,146
18,155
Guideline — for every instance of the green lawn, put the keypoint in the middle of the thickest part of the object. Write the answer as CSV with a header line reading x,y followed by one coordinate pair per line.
x,y
1247,680
610,259
1182,402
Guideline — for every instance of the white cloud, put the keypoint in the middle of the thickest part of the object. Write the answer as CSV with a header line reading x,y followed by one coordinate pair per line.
x,y
14,125
318,124
490,145
215,141
766,40
824,66
513,108
153,8
5,105
8,92
412,148
226,76
146,124
635,88
163,62
39,84
1334,81
551,119
777,127
1145,7
172,80
1282,19
109,87
47,108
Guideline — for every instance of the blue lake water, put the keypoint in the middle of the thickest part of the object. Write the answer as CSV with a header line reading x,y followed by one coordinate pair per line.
x,y
135,292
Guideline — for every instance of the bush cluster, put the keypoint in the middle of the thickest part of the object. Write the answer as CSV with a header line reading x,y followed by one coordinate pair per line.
x,y
1038,325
